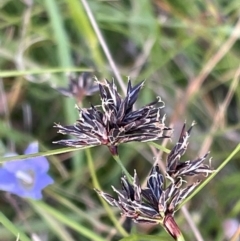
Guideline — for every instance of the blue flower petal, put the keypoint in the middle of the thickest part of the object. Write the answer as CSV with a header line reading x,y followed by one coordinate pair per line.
x,y
40,164
9,183
11,165
43,181
11,180
35,194
7,180
32,194
32,148
14,166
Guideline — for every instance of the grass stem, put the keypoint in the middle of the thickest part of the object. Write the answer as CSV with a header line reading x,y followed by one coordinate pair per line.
x,y
96,184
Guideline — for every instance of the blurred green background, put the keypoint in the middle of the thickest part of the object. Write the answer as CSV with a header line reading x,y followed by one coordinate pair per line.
x,y
189,54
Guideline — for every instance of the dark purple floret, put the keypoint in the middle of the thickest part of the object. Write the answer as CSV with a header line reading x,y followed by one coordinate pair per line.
x,y
188,168
152,204
158,202
79,87
116,122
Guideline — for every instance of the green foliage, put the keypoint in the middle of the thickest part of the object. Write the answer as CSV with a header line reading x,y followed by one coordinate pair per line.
x,y
189,55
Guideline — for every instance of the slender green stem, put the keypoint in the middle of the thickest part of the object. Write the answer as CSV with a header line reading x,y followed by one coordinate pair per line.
x,y
205,182
14,73
160,147
180,238
105,205
119,162
44,153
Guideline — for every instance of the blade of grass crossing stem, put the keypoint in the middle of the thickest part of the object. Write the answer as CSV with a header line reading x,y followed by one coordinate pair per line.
x,y
14,73
126,173
105,205
12,228
44,153
205,182
159,147
43,207
64,53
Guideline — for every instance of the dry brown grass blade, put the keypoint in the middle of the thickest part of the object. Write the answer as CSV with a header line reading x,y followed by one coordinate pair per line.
x,y
220,114
104,45
196,83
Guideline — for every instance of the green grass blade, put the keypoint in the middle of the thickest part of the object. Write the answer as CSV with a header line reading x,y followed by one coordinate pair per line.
x,y
54,225
12,228
161,148
84,28
73,208
44,153
14,73
65,60
105,205
61,38
58,215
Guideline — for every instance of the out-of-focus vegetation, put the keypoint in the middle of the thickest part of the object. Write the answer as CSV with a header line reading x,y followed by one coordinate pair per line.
x,y
189,54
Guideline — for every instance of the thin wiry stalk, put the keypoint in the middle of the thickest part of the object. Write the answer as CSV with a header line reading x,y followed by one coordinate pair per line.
x,y
192,225
220,114
96,184
196,83
104,45
119,162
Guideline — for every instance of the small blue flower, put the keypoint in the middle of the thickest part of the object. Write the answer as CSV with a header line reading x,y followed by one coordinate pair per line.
x,y
26,178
